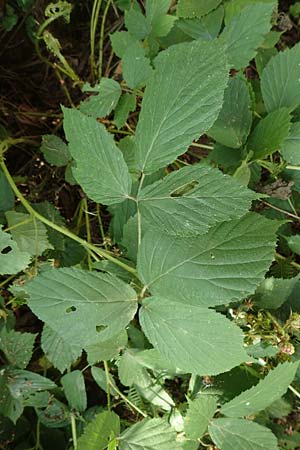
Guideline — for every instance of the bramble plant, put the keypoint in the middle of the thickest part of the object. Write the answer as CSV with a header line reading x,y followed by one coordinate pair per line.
x,y
186,285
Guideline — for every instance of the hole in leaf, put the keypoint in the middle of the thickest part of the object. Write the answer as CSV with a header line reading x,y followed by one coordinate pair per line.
x,y
71,309
6,250
185,189
100,328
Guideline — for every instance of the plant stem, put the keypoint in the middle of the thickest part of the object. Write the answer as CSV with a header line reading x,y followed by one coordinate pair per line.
x,y
139,216
289,166
126,399
62,230
283,211
74,432
93,28
292,263
294,391
100,61
207,147
107,384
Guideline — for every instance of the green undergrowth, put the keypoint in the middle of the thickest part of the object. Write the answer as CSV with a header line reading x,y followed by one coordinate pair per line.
x,y
166,313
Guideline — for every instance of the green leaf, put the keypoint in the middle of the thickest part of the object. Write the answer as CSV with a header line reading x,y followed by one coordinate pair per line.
x,y
126,104
99,376
23,383
239,434
234,121
130,371
55,415
102,104
136,24
156,12
186,336
192,199
280,81
17,347
136,67
290,149
225,265
29,234
7,198
273,292
12,260
74,389
234,7
177,109
55,150
207,27
245,33
106,350
98,433
198,415
196,8
294,243
100,166
82,307
268,136
59,352
259,397
149,434
121,41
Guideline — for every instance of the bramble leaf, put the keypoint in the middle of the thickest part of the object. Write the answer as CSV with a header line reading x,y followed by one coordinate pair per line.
x,y
189,201
196,8
280,80
259,397
245,32
240,434
234,121
59,352
55,150
136,67
177,109
17,347
82,307
225,265
186,336
98,433
106,99
290,149
12,260
29,234
270,133
74,389
150,434
100,167
198,415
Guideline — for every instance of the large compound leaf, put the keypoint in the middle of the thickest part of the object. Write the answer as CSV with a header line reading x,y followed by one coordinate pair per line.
x,y
259,397
59,352
30,235
226,264
196,8
291,145
234,121
81,306
239,434
186,336
181,101
12,260
150,434
280,80
268,136
98,433
100,167
245,32
198,415
190,200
